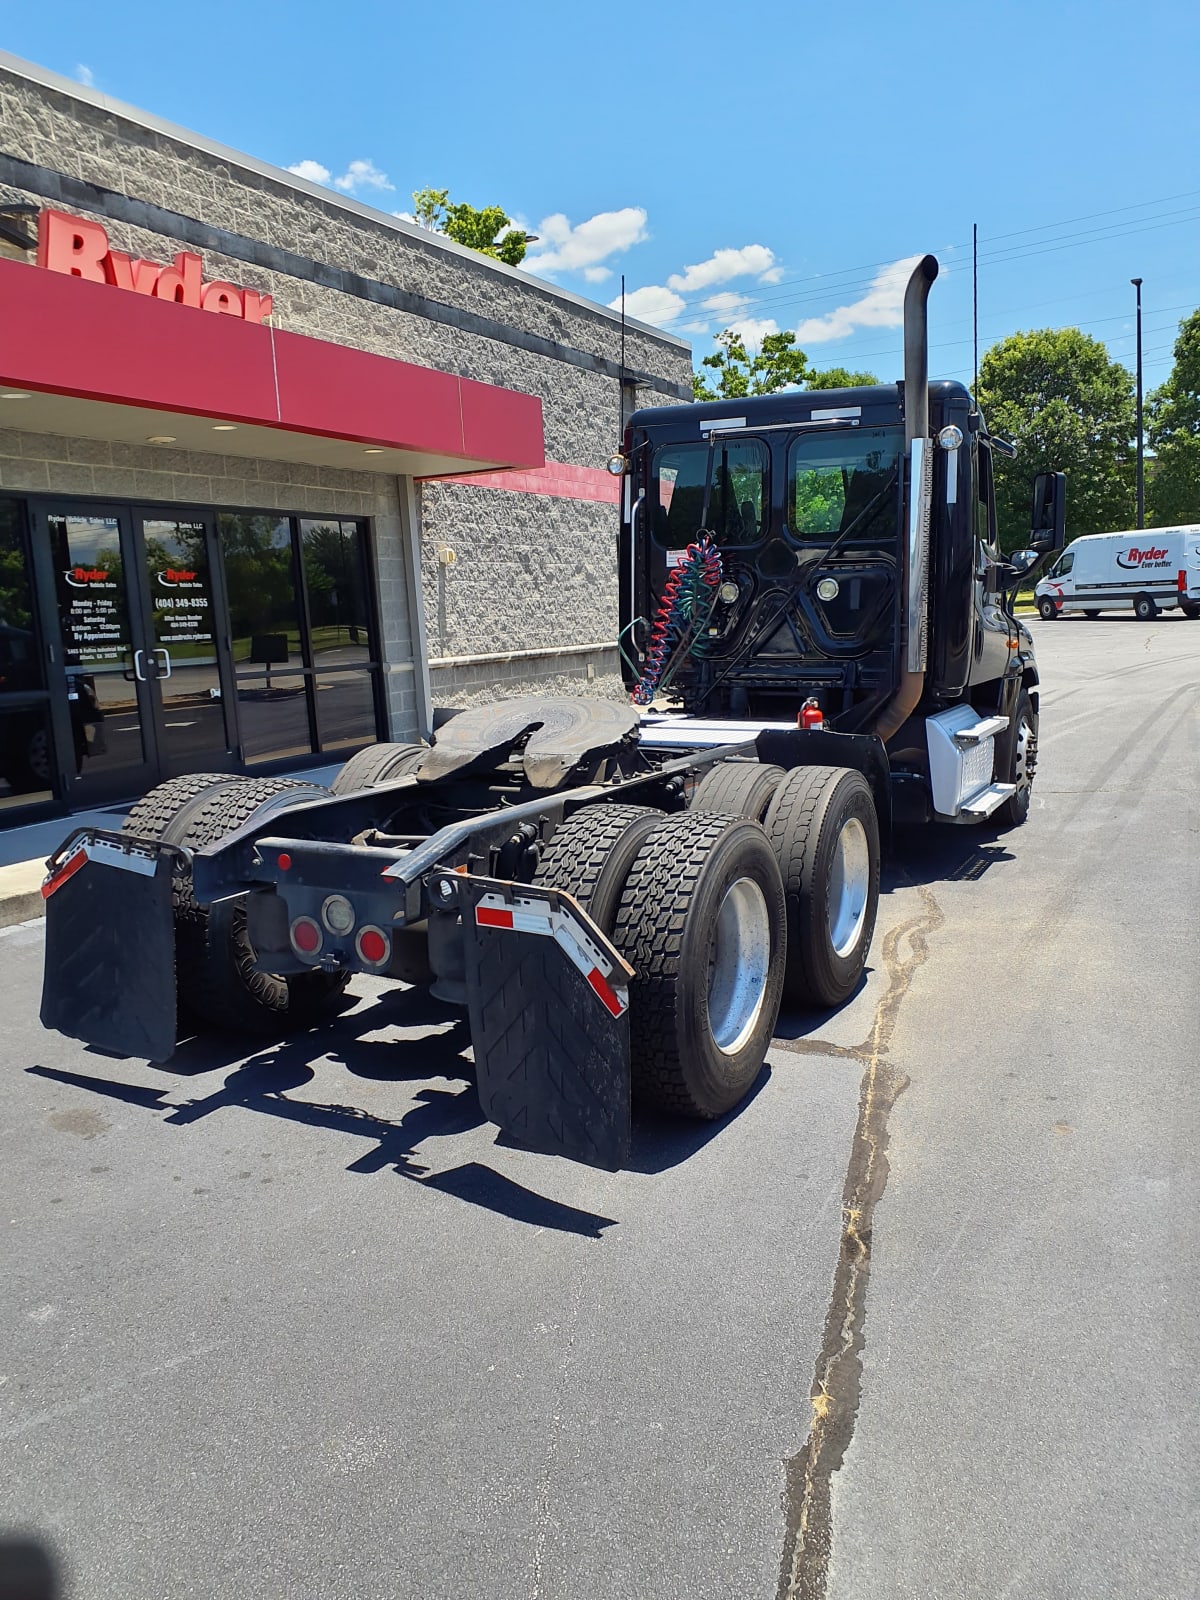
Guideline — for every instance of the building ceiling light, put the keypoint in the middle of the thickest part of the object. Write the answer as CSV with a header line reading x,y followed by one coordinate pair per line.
x,y
15,394
224,427
161,438
372,450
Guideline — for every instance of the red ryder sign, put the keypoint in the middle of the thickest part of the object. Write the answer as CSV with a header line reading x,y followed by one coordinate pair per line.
x,y
81,250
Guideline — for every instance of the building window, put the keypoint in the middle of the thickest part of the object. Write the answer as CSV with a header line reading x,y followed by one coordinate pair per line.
x,y
26,765
302,633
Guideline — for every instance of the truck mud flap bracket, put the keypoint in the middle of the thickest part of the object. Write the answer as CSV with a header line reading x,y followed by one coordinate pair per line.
x,y
110,945
548,998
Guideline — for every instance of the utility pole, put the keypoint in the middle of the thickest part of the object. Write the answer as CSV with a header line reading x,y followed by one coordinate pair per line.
x,y
1141,482
975,300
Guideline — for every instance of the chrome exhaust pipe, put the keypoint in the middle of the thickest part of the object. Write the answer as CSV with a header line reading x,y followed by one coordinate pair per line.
x,y
920,454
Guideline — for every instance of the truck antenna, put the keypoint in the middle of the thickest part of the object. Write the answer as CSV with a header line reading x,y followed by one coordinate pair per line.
x,y
975,304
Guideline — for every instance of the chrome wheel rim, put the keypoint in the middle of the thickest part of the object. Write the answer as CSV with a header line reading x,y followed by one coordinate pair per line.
x,y
849,886
739,965
1024,756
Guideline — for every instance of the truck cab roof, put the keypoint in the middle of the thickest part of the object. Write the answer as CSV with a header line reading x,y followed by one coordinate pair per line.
x,y
877,405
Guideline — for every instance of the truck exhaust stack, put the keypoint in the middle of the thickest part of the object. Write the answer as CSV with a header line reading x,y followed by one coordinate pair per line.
x,y
918,445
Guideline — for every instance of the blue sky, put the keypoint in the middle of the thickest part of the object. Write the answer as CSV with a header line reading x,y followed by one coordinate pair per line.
x,y
767,166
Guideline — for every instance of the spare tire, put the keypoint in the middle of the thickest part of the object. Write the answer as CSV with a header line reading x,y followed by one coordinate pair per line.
x,y
703,923
378,763
824,830
737,789
214,959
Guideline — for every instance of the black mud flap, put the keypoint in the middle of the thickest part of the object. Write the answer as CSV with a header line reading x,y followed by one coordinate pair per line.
x,y
549,1005
110,946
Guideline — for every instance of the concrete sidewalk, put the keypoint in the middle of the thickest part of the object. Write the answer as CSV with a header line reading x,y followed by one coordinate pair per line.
x,y
23,851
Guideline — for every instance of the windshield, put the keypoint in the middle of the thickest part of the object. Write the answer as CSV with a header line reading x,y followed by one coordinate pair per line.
x,y
738,499
836,480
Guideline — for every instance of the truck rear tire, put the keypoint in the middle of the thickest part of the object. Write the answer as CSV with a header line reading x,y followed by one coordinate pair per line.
x,y
213,955
702,921
155,811
591,855
1144,608
1047,610
824,830
378,763
737,789
1190,608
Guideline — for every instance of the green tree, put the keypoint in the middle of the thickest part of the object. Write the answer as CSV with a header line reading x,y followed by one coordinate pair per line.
x,y
1068,408
777,364
840,378
465,224
1173,433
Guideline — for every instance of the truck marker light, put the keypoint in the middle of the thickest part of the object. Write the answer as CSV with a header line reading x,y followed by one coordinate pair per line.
x,y
373,946
284,861
306,936
68,870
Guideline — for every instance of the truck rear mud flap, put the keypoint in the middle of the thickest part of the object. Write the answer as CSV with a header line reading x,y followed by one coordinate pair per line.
x,y
110,945
548,997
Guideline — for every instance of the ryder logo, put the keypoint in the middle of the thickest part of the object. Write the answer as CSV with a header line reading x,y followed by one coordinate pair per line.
x,y
81,250
1135,558
84,577
172,578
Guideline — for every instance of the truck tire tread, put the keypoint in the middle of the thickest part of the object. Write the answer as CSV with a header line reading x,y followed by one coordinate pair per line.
x,y
378,763
738,789
591,854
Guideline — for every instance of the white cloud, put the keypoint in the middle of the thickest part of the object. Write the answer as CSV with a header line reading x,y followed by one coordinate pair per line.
x,y
881,307
312,170
574,249
85,76
362,174
753,330
773,276
721,305
405,216
651,304
597,274
722,265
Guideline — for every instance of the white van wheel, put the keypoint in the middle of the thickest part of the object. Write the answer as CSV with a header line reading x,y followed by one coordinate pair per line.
x,y
1047,610
1144,608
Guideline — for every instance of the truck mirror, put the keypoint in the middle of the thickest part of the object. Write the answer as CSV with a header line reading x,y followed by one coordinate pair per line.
x,y
1022,560
1048,516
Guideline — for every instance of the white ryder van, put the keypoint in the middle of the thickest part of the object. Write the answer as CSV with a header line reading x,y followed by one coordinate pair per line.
x,y
1111,571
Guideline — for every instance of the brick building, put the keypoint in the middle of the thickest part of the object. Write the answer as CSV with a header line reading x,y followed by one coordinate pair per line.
x,y
278,472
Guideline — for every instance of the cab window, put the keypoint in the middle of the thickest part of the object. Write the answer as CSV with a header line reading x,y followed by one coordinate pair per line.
x,y
738,496
1063,565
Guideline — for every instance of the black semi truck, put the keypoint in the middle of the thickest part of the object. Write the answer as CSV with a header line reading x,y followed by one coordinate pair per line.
x,y
819,641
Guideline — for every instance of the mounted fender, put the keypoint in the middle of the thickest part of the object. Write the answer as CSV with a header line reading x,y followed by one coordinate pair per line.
x,y
862,752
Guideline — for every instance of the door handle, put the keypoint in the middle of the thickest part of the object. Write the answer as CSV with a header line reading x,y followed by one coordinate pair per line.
x,y
137,666
163,666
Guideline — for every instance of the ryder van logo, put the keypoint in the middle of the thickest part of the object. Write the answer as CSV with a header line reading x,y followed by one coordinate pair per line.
x,y
84,577
174,576
1136,558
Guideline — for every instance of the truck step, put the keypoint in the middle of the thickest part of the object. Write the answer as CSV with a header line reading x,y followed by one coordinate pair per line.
x,y
987,728
988,800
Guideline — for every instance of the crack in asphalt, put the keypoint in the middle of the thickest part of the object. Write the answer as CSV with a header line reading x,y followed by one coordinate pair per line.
x,y
837,1382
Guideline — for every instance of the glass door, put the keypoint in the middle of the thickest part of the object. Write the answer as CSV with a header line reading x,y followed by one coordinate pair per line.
x,y
183,639
101,665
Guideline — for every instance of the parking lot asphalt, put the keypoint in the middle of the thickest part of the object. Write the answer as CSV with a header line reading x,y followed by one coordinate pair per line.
x,y
919,1320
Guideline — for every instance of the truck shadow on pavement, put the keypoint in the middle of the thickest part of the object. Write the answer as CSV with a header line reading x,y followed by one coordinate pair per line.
x,y
270,1082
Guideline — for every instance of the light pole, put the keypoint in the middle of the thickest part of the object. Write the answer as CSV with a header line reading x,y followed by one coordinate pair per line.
x,y
1141,482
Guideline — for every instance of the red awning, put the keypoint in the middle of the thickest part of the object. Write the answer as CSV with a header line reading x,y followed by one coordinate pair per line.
x,y
103,362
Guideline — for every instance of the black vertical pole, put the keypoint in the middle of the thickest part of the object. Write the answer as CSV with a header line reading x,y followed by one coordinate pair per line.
x,y
975,300
1141,482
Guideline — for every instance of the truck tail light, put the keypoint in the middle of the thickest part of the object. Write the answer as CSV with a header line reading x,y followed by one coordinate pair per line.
x,y
373,946
307,937
1182,581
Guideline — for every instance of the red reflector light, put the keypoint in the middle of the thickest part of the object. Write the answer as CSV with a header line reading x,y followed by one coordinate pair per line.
x,y
284,861
605,990
491,917
306,936
373,946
